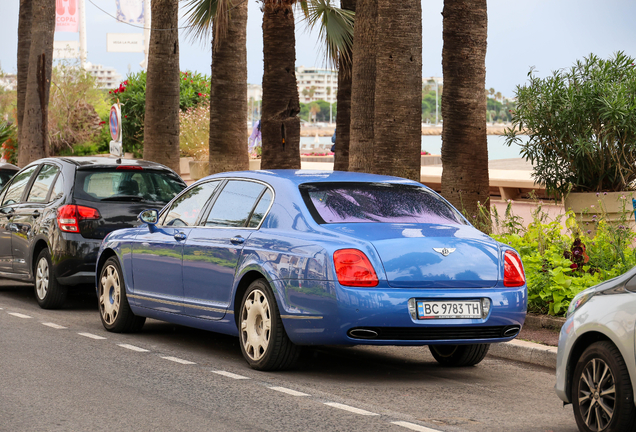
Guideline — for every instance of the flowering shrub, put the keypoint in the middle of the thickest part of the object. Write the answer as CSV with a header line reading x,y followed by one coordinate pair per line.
x,y
194,88
561,263
194,132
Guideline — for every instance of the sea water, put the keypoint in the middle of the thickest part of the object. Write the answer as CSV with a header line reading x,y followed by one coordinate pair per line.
x,y
497,149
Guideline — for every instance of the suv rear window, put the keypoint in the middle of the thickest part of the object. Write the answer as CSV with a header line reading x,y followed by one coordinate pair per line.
x,y
376,202
127,185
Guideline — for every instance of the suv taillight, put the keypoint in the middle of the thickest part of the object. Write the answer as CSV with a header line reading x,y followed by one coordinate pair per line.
x,y
354,269
68,216
513,270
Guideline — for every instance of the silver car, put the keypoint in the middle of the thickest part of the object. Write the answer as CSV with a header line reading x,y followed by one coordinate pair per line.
x,y
596,362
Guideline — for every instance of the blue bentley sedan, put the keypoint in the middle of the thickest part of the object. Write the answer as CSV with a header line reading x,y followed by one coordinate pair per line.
x,y
288,258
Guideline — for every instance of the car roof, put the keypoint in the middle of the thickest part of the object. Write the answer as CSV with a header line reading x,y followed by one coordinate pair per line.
x,y
298,177
8,167
100,161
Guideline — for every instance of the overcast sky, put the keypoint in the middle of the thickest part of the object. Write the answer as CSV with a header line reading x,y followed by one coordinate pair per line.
x,y
546,34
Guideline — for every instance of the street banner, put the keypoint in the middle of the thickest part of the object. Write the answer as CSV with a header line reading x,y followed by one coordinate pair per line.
x,y
130,11
66,49
66,16
124,42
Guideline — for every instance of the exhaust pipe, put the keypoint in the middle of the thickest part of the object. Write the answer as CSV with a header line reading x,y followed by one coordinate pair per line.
x,y
363,334
511,331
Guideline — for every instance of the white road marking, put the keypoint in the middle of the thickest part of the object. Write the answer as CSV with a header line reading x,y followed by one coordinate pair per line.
x,y
19,315
90,335
288,391
178,360
414,427
133,348
53,325
230,375
350,409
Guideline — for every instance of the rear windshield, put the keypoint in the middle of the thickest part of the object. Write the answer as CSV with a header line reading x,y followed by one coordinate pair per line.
x,y
376,202
127,185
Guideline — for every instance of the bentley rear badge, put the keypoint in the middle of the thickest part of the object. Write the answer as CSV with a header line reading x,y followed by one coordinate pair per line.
x,y
444,251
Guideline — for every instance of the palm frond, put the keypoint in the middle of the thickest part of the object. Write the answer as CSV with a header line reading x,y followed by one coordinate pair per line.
x,y
335,29
207,16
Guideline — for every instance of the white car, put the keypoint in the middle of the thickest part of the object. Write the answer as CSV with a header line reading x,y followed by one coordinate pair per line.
x,y
596,362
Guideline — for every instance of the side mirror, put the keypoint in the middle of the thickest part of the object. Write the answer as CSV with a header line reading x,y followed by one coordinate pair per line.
x,y
149,217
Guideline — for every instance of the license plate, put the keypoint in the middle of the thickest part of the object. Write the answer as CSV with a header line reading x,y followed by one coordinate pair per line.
x,y
449,309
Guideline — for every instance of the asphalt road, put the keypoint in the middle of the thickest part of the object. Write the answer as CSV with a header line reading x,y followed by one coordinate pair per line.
x,y
61,371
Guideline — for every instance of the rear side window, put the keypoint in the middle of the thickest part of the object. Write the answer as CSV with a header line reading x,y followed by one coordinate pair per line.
x,y
127,185
234,205
5,176
16,188
376,202
261,209
40,188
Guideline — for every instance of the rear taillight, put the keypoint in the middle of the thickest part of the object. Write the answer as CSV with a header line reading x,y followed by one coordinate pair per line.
x,y
513,270
68,216
354,269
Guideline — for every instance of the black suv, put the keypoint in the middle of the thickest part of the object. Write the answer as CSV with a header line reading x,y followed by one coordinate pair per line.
x,y
56,211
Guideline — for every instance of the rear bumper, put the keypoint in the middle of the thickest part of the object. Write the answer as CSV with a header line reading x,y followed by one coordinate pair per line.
x,y
74,258
330,317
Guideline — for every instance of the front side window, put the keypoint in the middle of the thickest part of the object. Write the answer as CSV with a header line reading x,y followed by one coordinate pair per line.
x,y
16,188
40,188
234,205
376,202
185,209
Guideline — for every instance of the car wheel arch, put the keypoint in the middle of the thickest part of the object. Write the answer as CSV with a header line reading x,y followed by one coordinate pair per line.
x,y
581,344
246,280
38,246
106,253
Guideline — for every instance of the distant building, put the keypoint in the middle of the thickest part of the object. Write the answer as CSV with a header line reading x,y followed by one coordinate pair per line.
x,y
431,81
317,84
9,82
107,77
254,92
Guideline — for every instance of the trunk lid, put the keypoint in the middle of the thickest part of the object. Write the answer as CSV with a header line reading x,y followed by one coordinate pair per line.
x,y
430,255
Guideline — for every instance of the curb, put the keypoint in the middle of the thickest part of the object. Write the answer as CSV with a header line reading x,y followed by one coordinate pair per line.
x,y
528,352
544,321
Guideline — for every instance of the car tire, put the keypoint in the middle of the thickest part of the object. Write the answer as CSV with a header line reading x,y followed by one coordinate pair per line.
x,y
459,355
264,342
114,309
612,408
49,293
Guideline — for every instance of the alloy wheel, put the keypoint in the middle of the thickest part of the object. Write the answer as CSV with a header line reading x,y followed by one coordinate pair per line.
x,y
110,294
42,278
597,395
256,324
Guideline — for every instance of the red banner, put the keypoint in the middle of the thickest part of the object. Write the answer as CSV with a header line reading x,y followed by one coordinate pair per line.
x,y
66,16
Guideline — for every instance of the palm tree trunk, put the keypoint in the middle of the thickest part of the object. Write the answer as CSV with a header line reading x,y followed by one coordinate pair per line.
x,y
24,44
161,124
464,146
34,137
228,104
343,116
398,89
280,124
361,150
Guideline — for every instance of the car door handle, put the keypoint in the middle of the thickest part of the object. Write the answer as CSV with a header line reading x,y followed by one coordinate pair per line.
x,y
35,214
237,240
180,236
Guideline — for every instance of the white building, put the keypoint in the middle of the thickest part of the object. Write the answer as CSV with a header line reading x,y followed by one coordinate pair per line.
x,y
317,84
9,82
431,81
107,77
254,92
